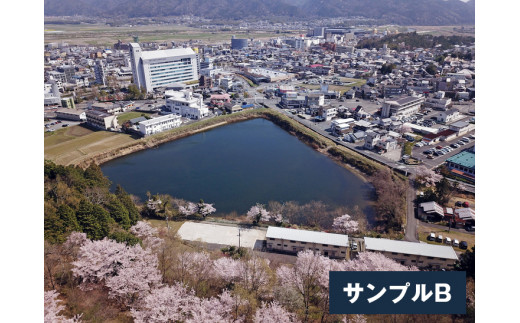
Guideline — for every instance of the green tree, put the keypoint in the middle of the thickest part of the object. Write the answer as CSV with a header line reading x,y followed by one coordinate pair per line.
x,y
95,176
87,220
52,226
466,263
103,221
444,189
67,216
124,237
431,69
118,212
126,200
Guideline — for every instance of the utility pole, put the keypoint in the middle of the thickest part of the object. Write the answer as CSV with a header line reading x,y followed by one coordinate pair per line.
x,y
238,238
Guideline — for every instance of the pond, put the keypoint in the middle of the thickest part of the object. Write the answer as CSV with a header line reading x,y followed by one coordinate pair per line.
x,y
236,166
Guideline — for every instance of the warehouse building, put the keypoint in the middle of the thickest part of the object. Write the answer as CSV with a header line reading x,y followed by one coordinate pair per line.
x,y
293,241
422,255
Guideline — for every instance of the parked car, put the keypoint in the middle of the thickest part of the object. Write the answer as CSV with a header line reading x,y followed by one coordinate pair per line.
x,y
431,237
430,157
64,125
465,139
439,147
440,238
463,245
472,136
455,243
458,203
465,204
470,228
460,142
455,145
354,246
447,241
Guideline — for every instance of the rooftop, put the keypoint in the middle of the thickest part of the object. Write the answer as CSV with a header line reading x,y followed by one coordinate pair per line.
x,y
308,236
411,248
464,158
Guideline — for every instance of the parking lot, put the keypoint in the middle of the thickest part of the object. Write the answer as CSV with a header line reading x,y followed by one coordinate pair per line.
x,y
435,160
56,124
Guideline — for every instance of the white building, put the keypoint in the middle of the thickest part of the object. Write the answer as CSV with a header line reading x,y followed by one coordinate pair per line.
x,y
405,106
51,93
186,104
71,114
160,68
160,124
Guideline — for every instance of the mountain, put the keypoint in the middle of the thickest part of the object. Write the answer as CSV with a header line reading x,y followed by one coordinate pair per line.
x,y
403,12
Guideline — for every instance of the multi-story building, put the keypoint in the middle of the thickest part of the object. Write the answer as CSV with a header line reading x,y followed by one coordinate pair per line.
x,y
327,113
71,114
404,106
160,68
52,94
422,255
316,99
101,120
238,43
68,71
186,104
68,103
160,124
293,241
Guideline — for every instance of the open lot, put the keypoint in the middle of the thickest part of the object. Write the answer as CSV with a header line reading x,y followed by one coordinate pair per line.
x,y
425,231
73,144
221,234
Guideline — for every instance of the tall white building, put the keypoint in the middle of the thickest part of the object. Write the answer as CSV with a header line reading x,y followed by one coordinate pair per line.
x,y
160,68
186,104
159,124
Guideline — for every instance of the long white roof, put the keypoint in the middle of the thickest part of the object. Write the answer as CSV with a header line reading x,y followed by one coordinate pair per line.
x,y
411,248
307,236
155,54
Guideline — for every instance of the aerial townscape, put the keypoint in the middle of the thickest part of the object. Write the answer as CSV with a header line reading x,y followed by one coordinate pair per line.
x,y
213,161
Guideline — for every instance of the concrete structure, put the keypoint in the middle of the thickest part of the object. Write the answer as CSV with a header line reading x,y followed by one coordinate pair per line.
x,y
316,99
71,114
68,71
52,94
293,241
258,75
160,68
404,106
186,104
238,43
448,116
101,120
422,255
68,103
108,108
159,124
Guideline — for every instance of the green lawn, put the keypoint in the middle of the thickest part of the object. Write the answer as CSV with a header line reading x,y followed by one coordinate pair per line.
x,y
124,117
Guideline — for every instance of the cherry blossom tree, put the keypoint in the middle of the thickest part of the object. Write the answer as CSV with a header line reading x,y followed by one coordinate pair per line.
x,y
374,261
176,304
306,276
277,218
74,241
191,266
258,213
426,176
227,269
147,234
254,274
274,313
189,209
345,225
127,271
52,309
206,209
356,318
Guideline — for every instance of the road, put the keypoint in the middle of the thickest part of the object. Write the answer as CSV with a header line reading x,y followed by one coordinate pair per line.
x,y
411,221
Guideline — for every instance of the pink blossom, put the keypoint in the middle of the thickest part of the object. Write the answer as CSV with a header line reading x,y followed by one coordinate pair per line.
x,y
426,176
206,209
126,270
75,239
52,308
356,318
274,313
344,224
197,264
258,213
189,209
147,234
227,268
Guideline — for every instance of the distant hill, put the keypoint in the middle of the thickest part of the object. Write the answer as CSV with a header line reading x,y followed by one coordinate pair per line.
x,y
403,12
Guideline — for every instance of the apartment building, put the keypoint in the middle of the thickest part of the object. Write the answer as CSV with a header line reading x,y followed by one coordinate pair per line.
x,y
159,124
160,68
186,104
293,241
404,106
101,120
422,255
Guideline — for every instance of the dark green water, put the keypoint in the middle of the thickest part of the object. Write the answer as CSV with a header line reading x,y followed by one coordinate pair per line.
x,y
236,166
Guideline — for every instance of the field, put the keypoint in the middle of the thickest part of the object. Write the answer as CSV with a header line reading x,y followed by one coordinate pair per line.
x,y
103,35
76,143
341,88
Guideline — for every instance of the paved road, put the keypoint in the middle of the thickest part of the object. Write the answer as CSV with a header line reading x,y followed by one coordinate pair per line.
x,y
411,221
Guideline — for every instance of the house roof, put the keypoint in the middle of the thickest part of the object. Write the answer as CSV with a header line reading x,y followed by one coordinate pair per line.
x,y
432,206
307,236
411,248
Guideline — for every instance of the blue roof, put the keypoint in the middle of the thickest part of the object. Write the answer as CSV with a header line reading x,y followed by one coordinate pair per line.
x,y
248,106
